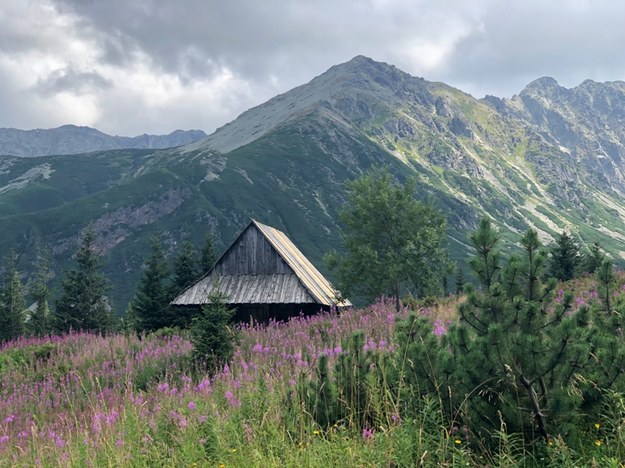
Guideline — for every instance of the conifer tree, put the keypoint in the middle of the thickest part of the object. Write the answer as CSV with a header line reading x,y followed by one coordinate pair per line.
x,y
211,334
185,273
150,307
514,350
460,281
12,304
605,366
185,269
593,258
83,305
41,320
607,282
208,254
565,258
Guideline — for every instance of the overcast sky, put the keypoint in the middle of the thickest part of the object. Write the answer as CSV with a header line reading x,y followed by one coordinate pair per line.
x,y
132,66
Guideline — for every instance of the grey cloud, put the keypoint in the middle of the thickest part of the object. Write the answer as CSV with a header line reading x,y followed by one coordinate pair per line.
x,y
520,41
272,45
261,40
70,80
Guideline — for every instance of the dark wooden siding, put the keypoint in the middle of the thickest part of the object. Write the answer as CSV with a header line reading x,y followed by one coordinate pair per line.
x,y
252,254
248,289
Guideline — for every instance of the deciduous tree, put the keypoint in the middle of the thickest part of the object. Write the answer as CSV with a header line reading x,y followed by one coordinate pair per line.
x,y
393,243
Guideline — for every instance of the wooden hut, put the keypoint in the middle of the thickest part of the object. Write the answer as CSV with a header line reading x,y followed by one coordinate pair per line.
x,y
264,275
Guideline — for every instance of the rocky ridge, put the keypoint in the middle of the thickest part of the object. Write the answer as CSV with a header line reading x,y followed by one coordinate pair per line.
x,y
549,157
72,139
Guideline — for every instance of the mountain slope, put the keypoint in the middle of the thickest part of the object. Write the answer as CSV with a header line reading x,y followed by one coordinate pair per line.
x,y
70,139
527,161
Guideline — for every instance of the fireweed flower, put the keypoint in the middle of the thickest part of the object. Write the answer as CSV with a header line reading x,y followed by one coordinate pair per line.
x,y
191,405
163,387
233,402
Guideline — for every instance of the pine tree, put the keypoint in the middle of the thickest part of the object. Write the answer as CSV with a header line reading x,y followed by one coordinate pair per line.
x,y
12,304
565,258
208,254
83,305
150,307
515,351
605,366
41,320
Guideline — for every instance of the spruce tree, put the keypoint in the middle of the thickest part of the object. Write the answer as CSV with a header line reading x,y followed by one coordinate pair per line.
x,y
185,269
208,254
12,304
83,305
41,320
460,281
185,273
593,258
565,258
212,337
150,306
607,283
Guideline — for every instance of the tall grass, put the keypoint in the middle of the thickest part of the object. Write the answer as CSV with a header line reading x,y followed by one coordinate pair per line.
x,y
121,400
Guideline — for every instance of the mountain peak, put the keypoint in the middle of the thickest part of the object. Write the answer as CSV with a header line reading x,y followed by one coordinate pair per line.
x,y
362,65
356,89
544,83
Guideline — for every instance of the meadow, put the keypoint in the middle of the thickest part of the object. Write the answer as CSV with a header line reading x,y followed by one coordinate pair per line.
x,y
121,400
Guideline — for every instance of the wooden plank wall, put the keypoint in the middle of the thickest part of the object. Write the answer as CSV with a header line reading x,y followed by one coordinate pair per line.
x,y
252,254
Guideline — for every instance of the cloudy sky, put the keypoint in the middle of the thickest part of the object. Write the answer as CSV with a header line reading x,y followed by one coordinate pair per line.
x,y
132,66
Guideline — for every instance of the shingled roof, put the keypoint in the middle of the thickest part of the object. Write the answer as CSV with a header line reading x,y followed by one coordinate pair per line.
x,y
263,266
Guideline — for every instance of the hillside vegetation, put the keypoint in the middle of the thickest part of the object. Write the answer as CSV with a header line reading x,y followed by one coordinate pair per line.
x,y
87,400
549,158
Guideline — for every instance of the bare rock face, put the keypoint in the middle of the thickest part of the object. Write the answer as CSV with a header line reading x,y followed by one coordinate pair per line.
x,y
551,158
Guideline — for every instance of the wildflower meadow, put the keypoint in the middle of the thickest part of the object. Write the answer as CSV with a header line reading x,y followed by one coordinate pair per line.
x,y
83,399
